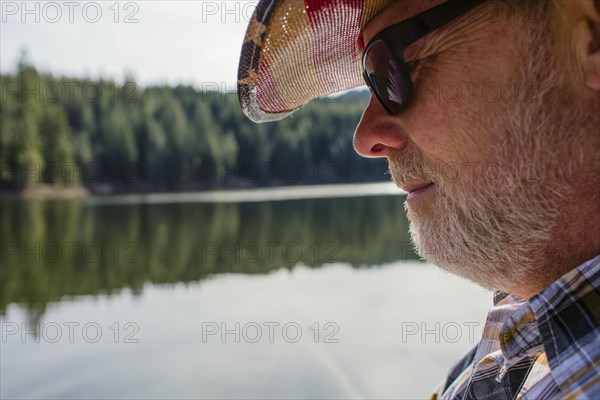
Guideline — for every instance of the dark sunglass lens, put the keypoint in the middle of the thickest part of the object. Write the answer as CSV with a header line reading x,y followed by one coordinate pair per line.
x,y
385,77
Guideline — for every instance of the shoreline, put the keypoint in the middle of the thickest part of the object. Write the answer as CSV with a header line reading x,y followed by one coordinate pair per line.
x,y
47,192
256,195
210,195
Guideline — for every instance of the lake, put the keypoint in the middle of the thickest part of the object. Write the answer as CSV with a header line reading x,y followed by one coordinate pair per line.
x,y
299,293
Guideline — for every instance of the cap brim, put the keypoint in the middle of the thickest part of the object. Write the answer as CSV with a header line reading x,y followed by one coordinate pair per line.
x,y
295,51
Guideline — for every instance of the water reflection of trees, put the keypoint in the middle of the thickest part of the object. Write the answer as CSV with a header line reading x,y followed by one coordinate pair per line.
x,y
53,249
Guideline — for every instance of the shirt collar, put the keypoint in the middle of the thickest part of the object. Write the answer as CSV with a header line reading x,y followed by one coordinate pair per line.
x,y
556,320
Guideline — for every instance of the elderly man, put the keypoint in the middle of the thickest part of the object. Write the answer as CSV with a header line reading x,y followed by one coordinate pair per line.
x,y
489,114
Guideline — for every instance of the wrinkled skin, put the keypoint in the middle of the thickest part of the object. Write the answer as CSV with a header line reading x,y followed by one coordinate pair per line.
x,y
504,122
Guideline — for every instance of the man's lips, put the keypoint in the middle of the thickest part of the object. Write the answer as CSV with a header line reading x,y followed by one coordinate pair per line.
x,y
413,187
417,191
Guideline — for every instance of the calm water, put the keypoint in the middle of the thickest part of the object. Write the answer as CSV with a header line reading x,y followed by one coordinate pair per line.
x,y
205,297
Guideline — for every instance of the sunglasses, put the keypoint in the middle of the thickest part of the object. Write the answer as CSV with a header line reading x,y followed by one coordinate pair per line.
x,y
384,69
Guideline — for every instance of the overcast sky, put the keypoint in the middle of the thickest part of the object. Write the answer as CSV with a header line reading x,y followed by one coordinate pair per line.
x,y
194,42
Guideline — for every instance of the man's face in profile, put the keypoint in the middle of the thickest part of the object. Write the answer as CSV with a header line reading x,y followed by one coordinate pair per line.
x,y
498,128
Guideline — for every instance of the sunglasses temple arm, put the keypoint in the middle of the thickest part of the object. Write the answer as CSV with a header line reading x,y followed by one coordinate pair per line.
x,y
446,12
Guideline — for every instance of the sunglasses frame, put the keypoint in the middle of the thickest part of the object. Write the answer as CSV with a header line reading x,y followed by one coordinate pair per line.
x,y
397,37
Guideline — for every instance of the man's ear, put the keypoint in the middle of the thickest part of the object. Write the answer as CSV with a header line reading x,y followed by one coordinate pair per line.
x,y
588,40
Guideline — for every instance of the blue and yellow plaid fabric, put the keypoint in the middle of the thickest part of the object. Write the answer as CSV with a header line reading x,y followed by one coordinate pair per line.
x,y
544,348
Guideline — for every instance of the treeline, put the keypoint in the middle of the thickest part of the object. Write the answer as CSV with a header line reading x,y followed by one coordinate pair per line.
x,y
62,131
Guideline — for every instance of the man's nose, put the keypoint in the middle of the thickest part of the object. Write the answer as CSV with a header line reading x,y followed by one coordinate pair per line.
x,y
378,134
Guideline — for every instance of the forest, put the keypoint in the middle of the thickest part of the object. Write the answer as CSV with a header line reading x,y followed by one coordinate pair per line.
x,y
120,137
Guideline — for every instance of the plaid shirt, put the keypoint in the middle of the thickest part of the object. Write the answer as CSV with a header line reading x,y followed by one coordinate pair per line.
x,y
544,348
